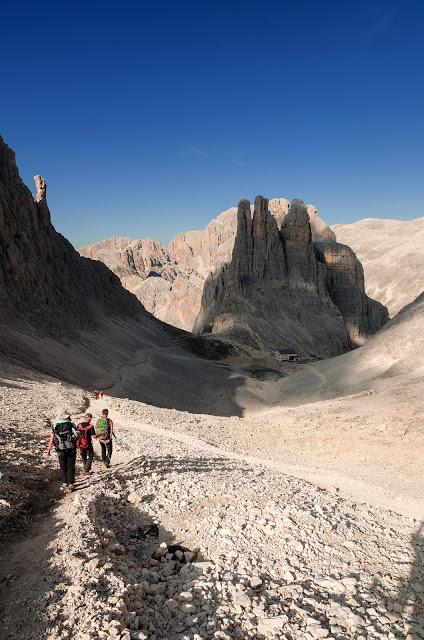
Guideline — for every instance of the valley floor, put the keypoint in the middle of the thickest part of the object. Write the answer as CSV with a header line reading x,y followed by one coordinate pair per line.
x,y
267,554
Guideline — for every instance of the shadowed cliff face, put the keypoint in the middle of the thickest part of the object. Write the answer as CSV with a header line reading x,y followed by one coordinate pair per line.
x,y
275,292
43,280
345,282
70,317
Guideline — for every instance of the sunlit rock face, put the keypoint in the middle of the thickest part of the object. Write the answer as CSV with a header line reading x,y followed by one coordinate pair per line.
x,y
169,280
277,290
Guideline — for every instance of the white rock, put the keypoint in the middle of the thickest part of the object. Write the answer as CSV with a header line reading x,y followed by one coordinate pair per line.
x,y
162,550
255,582
185,596
267,626
172,604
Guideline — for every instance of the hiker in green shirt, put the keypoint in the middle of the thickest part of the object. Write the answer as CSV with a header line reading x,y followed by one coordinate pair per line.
x,y
104,434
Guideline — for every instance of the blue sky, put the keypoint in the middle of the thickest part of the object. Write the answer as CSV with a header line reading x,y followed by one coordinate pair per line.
x,y
150,118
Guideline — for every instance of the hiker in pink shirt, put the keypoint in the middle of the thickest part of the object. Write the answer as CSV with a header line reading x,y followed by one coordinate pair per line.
x,y
86,432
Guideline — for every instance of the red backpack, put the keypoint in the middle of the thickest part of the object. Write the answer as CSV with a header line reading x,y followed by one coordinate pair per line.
x,y
83,439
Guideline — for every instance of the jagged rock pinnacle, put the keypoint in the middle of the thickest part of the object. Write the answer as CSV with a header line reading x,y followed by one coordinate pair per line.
x,y
41,186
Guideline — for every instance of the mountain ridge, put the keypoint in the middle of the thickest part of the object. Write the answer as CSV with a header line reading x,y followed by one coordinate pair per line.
x,y
183,264
284,289
392,257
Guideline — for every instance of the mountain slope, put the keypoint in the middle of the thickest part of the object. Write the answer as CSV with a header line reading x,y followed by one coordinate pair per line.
x,y
392,257
70,317
282,290
43,281
393,356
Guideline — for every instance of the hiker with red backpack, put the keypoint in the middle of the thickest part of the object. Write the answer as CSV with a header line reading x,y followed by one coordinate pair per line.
x,y
104,434
63,438
86,432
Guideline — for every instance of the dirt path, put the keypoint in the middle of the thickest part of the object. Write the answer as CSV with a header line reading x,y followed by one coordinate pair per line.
x,y
327,479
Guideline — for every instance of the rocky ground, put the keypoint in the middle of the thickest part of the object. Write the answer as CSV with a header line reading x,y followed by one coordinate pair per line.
x,y
183,540
27,480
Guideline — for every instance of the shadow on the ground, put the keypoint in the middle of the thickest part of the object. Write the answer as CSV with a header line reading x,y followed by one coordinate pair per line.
x,y
153,612
29,484
26,531
411,593
11,385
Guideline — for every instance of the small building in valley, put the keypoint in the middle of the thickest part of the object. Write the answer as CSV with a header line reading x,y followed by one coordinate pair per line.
x,y
288,354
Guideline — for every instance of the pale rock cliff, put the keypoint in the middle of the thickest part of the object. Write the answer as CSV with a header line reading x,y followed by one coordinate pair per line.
x,y
169,280
274,292
391,253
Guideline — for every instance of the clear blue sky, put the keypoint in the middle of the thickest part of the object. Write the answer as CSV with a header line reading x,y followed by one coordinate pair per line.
x,y
150,118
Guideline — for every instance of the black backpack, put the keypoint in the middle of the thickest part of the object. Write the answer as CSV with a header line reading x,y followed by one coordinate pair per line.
x,y
64,437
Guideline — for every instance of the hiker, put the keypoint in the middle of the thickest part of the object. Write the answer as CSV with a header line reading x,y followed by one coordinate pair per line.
x,y
63,438
86,431
104,434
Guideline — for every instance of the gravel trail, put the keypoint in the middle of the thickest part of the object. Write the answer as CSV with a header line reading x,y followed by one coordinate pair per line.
x,y
183,540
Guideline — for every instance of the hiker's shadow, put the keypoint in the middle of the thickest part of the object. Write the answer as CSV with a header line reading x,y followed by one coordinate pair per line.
x,y
29,481
145,586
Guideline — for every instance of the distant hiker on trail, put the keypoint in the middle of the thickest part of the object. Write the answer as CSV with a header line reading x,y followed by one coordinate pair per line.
x,y
98,395
63,438
86,431
104,434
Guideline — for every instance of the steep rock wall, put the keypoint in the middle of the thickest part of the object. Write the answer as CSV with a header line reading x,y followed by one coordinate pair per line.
x,y
345,282
169,280
276,293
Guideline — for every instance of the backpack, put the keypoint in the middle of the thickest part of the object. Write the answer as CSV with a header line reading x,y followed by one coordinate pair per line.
x,y
103,429
64,438
83,438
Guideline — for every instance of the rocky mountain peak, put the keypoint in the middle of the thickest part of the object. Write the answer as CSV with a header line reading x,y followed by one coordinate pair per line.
x,y
278,291
278,207
296,226
43,280
41,186
269,240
